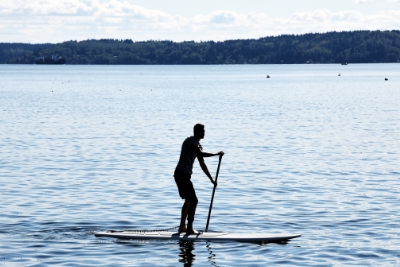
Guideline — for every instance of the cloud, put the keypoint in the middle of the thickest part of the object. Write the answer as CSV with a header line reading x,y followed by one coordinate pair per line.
x,y
362,1
223,17
41,21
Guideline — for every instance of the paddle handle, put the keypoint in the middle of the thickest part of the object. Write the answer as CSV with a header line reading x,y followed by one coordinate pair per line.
x,y
212,197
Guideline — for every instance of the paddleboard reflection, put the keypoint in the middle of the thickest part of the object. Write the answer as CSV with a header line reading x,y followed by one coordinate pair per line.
x,y
187,257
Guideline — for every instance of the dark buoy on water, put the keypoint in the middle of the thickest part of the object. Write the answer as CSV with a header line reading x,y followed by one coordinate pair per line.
x,y
386,79
268,76
339,74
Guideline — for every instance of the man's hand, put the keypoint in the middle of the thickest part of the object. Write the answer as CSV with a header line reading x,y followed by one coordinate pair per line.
x,y
213,182
221,153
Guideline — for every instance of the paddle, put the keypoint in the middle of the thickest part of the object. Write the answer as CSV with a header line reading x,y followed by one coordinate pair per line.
x,y
212,198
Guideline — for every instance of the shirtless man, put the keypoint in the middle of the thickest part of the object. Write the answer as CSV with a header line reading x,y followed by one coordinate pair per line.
x,y
191,149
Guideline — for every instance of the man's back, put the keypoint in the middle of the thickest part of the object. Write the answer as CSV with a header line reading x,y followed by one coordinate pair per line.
x,y
188,155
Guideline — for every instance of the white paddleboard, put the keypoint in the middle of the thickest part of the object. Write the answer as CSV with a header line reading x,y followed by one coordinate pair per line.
x,y
203,236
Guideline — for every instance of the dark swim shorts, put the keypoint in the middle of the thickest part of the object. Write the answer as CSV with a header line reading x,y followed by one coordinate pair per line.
x,y
185,186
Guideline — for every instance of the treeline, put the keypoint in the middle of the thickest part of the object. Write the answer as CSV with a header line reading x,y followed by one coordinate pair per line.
x,y
12,51
331,47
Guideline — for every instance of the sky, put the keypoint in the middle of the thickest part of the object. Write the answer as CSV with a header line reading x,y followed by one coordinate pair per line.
x,y
54,21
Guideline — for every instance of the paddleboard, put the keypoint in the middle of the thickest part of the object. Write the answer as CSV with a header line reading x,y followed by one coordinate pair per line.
x,y
202,236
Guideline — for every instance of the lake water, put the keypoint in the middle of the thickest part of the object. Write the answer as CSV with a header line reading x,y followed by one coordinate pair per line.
x,y
93,148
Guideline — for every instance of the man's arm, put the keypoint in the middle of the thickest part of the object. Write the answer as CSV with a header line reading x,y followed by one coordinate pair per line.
x,y
208,154
205,154
204,168
200,157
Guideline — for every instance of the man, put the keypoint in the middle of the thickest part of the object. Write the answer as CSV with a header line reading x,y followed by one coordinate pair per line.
x,y
191,149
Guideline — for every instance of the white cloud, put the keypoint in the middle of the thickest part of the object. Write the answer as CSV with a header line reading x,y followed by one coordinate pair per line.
x,y
224,17
56,21
362,1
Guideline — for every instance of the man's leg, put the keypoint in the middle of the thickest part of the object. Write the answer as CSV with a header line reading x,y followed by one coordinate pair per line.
x,y
191,213
184,214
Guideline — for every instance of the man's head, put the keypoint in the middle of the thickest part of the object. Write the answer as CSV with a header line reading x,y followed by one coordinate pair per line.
x,y
198,131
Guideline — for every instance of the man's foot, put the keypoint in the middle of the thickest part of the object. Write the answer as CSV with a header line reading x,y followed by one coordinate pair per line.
x,y
192,232
182,229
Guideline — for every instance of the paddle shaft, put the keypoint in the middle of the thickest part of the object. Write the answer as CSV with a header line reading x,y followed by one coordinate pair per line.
x,y
212,198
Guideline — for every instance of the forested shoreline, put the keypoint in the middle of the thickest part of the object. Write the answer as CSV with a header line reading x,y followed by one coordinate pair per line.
x,y
330,47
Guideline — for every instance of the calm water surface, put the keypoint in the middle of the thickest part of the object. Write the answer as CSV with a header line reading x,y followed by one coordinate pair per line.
x,y
92,148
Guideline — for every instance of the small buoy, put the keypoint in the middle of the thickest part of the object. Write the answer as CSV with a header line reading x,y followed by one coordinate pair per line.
x,y
386,79
267,76
339,74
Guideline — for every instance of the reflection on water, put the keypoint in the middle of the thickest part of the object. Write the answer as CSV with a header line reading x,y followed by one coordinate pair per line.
x,y
211,258
186,255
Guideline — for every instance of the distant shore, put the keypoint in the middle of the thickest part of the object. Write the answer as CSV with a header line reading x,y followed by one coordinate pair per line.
x,y
313,48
